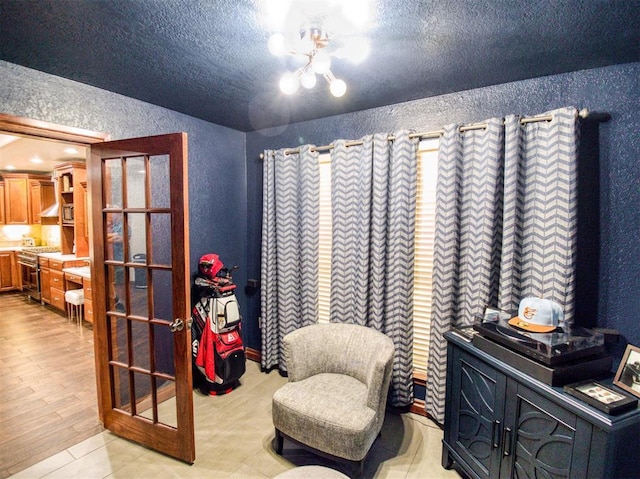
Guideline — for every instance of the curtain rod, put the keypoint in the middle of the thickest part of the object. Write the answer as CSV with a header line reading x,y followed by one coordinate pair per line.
x,y
584,113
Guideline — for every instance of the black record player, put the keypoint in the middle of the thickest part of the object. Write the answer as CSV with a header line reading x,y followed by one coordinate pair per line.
x,y
564,345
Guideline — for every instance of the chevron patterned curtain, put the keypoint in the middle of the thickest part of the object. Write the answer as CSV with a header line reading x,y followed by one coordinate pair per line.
x,y
373,196
506,225
467,240
289,271
540,204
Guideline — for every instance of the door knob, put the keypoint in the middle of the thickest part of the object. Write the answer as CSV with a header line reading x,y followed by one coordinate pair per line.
x,y
177,325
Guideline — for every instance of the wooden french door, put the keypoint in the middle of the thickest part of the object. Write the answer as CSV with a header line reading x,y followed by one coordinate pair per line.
x,y
141,291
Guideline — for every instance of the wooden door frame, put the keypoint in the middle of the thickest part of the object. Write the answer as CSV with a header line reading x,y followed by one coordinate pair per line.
x,y
51,131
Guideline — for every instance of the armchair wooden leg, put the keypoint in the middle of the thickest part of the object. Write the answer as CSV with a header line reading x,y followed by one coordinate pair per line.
x,y
358,469
279,442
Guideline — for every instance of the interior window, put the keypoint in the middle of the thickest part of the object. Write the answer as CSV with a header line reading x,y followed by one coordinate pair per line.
x,y
423,268
324,274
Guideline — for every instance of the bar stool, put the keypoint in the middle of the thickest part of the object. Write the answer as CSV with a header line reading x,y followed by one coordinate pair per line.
x,y
75,300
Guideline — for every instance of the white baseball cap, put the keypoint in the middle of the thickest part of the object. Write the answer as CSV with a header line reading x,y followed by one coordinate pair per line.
x,y
538,315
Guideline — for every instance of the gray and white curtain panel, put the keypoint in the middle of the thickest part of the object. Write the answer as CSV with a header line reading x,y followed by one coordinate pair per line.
x,y
373,198
289,268
373,227
505,225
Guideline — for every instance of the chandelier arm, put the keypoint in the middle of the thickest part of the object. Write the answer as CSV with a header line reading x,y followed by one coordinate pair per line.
x,y
329,76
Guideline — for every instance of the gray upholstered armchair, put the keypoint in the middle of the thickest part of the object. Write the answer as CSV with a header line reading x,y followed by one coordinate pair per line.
x,y
334,402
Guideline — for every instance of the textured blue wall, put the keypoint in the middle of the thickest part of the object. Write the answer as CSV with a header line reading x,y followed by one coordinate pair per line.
x,y
217,186
609,283
231,226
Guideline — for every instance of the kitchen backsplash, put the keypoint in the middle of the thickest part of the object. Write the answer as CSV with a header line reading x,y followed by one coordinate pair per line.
x,y
12,235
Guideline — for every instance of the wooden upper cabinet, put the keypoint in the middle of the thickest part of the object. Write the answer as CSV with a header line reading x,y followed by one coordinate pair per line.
x,y
42,197
16,199
23,198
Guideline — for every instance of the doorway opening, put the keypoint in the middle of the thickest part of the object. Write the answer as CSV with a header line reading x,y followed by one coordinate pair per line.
x,y
49,361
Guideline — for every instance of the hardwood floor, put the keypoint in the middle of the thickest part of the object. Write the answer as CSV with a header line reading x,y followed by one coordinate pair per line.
x,y
47,383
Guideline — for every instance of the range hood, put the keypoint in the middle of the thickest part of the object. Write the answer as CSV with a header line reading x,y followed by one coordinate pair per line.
x,y
52,211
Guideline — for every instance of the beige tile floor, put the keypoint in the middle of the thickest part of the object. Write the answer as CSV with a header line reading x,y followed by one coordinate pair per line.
x,y
234,436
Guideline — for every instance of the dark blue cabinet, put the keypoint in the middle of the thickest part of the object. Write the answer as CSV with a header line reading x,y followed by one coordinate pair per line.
x,y
501,423
479,404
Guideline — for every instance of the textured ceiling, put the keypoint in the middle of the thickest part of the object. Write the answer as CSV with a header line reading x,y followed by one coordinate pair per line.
x,y
209,59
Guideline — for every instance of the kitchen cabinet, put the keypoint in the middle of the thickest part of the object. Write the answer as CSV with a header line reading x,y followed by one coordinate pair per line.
x,y
88,300
8,271
56,285
2,219
75,280
16,199
74,235
42,197
23,196
45,280
501,423
56,278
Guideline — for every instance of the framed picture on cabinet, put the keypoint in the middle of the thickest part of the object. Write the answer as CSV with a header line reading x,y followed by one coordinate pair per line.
x,y
628,375
602,397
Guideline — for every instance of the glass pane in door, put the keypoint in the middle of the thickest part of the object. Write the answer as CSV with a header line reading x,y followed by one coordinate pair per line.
x,y
160,248
136,222
135,175
114,224
112,183
139,334
159,181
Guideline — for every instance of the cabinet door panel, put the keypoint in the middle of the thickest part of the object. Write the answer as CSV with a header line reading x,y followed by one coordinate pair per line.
x,y
6,271
45,285
16,201
543,439
479,400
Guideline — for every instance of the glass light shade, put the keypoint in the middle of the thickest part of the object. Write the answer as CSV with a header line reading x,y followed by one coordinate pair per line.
x,y
321,63
308,79
289,83
338,88
277,44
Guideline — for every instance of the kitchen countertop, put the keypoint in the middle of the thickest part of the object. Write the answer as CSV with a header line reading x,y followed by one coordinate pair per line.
x,y
62,257
83,271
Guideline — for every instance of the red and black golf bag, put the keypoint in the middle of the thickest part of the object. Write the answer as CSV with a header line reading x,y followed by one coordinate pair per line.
x,y
218,353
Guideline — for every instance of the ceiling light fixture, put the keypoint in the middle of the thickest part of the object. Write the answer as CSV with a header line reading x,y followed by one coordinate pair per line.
x,y
313,43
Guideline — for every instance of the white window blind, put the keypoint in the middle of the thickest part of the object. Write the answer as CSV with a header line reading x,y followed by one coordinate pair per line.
x,y
423,268
425,227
